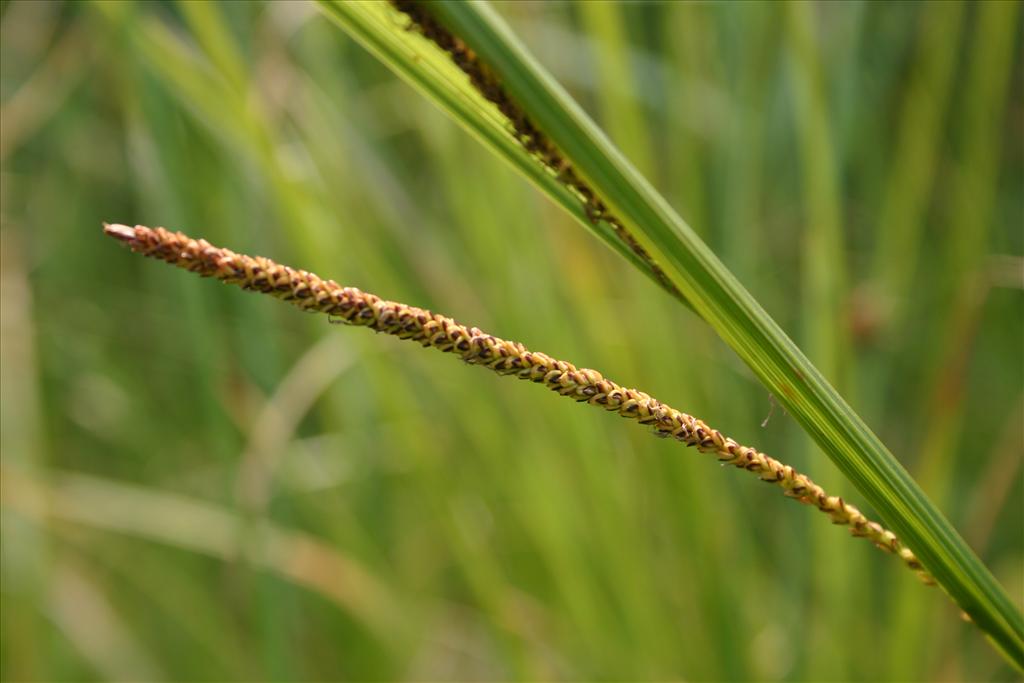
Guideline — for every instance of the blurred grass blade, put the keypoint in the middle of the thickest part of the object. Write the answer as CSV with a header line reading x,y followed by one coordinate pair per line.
x,y
205,528
710,288
376,26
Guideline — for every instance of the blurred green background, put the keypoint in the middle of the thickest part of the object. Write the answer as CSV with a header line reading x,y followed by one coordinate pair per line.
x,y
201,484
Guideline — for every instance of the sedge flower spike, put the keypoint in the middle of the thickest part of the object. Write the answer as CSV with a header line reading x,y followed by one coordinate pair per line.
x,y
487,83
354,307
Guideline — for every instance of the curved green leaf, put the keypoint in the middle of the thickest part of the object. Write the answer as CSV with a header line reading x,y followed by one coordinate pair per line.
x,y
711,290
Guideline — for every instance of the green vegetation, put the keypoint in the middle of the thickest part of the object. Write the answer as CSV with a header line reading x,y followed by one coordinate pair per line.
x,y
187,471
504,70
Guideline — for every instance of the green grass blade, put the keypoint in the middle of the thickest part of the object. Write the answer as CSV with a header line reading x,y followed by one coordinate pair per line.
x,y
709,287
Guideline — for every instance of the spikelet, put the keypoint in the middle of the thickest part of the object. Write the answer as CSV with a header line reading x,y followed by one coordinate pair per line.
x,y
354,307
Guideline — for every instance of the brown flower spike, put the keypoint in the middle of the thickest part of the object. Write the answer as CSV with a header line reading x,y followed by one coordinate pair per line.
x,y
349,305
525,131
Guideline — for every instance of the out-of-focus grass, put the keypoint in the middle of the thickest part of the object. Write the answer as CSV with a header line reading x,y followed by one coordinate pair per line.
x,y
516,537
